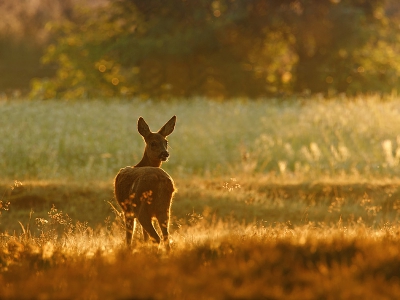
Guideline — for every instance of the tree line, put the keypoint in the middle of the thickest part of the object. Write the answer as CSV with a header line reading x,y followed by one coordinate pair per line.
x,y
220,49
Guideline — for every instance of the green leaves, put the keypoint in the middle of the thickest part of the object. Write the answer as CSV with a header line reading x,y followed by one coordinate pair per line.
x,y
222,49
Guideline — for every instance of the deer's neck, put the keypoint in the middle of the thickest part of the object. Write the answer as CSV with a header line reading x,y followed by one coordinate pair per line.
x,y
146,162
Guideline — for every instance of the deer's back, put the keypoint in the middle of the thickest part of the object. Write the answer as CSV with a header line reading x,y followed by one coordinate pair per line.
x,y
130,179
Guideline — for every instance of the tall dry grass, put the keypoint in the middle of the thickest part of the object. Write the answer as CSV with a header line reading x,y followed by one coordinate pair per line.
x,y
210,261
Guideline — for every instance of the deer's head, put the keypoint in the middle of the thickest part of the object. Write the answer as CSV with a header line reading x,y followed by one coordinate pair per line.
x,y
156,150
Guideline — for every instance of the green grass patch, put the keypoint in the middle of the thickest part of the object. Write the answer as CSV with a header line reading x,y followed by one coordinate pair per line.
x,y
299,140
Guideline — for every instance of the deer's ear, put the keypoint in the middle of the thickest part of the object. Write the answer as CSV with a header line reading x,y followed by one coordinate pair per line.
x,y
168,127
143,128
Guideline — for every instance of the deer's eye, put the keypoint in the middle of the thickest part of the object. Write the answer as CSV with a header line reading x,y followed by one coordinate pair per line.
x,y
153,144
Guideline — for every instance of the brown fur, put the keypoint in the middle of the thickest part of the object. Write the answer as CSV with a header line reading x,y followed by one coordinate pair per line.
x,y
145,191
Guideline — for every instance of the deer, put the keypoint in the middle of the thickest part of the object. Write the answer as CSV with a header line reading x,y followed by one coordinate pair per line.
x,y
145,191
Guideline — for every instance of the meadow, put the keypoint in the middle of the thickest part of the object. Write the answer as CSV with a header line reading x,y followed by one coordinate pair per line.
x,y
277,199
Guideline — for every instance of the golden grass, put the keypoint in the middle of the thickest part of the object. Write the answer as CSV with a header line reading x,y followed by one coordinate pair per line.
x,y
213,261
232,239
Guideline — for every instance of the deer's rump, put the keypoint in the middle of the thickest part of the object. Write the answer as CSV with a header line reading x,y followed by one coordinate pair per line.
x,y
135,186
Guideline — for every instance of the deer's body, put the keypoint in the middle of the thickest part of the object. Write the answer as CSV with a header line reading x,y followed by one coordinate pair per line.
x,y
145,191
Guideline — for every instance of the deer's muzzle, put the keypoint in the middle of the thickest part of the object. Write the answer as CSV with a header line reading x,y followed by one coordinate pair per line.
x,y
164,155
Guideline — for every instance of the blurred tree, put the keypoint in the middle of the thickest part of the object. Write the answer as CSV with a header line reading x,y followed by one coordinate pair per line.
x,y
343,46
24,35
222,49
158,48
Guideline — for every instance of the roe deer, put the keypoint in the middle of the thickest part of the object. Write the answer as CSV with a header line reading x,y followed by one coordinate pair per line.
x,y
145,191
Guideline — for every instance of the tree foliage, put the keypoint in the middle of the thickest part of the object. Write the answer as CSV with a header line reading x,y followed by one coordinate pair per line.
x,y
23,38
223,48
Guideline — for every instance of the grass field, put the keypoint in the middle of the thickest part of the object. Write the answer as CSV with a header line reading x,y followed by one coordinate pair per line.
x,y
276,200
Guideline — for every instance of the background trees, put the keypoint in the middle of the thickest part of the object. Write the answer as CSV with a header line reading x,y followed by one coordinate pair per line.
x,y
221,48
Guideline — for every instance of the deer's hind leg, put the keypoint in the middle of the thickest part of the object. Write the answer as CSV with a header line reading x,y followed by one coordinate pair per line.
x,y
148,229
144,197
166,191
130,227
163,221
